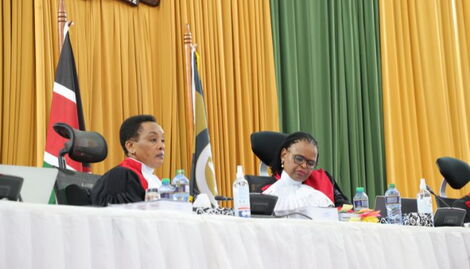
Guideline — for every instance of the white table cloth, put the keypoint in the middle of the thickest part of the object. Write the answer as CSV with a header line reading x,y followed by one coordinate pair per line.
x,y
51,236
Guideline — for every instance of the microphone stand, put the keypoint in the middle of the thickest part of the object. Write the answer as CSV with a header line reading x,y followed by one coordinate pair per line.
x,y
437,196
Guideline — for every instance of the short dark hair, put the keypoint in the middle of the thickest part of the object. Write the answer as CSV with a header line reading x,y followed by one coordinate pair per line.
x,y
130,128
291,139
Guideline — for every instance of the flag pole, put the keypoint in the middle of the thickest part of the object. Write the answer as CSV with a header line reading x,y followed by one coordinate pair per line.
x,y
188,43
62,19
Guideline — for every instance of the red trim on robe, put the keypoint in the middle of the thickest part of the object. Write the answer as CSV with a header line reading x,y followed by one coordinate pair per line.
x,y
467,203
318,180
135,167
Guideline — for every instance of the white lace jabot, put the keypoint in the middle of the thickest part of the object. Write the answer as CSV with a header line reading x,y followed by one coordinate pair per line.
x,y
293,194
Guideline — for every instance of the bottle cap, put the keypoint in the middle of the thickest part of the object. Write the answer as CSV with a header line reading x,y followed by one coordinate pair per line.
x,y
240,171
360,189
166,181
391,185
180,171
422,184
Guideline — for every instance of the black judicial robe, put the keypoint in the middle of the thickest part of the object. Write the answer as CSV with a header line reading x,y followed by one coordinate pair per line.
x,y
119,185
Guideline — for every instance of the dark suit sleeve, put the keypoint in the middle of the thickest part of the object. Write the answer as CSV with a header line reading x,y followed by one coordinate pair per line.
x,y
340,198
118,186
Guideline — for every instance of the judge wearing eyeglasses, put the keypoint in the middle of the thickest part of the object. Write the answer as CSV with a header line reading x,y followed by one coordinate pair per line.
x,y
294,167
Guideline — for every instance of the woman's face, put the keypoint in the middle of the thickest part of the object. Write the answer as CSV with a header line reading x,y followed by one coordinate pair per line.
x,y
149,148
299,160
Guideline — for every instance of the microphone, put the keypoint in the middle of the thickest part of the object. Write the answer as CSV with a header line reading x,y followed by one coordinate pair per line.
x,y
447,216
437,196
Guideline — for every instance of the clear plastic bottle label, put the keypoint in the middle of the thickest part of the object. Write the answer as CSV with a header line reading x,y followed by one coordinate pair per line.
x,y
360,204
392,199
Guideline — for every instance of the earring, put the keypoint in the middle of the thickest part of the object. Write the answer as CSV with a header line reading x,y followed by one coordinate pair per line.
x,y
282,163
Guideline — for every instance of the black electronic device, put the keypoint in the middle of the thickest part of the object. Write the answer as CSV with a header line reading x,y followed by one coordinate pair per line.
x,y
449,216
10,187
262,204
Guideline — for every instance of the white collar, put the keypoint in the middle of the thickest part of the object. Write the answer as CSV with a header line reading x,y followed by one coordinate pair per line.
x,y
145,169
285,177
293,194
152,180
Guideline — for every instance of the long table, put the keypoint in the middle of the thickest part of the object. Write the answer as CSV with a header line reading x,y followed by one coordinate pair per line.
x,y
52,236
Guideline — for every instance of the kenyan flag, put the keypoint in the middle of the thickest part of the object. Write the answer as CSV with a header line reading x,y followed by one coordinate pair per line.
x,y
66,107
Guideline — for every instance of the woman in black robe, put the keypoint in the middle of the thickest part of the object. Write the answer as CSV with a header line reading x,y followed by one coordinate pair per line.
x,y
143,143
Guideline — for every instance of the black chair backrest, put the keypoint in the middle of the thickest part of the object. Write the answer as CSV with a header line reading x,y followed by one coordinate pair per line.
x,y
83,146
74,188
455,171
257,182
265,145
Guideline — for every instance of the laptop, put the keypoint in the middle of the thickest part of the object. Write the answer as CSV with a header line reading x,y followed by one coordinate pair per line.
x,y
38,182
408,205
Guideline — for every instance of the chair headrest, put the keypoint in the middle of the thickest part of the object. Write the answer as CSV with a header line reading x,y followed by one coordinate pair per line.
x,y
256,183
265,145
83,146
455,171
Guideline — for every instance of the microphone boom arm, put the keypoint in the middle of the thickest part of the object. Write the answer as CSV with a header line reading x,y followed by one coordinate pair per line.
x,y
437,196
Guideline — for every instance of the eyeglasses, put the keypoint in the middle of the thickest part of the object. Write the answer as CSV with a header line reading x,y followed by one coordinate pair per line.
x,y
300,160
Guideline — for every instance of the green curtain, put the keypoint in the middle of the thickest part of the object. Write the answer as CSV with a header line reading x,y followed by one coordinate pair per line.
x,y
328,76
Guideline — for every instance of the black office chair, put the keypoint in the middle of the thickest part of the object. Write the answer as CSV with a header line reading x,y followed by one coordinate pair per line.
x,y
71,187
265,145
256,183
456,173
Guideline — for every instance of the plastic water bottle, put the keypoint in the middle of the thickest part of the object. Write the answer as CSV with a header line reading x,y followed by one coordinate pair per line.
x,y
360,200
241,195
166,190
393,205
181,184
424,198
